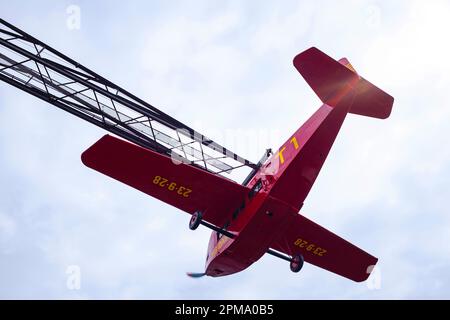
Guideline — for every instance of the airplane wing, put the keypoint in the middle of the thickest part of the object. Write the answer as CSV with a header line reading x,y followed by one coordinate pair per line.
x,y
324,249
180,185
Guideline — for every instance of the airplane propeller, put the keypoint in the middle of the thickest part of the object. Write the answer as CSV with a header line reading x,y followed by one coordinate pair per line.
x,y
195,274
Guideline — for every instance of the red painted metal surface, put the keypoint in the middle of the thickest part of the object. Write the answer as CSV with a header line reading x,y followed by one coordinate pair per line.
x,y
268,217
328,79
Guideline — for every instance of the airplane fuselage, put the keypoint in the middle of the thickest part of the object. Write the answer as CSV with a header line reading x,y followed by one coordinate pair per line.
x,y
254,225
270,206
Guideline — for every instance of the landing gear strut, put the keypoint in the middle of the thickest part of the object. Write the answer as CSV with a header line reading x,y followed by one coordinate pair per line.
x,y
195,221
297,263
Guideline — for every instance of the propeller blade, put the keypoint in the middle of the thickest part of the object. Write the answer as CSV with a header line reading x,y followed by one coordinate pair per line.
x,y
195,274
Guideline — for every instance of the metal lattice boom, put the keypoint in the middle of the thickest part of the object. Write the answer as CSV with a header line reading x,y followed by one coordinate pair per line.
x,y
40,70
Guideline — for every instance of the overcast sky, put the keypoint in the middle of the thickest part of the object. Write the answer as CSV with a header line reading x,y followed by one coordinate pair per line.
x,y
226,69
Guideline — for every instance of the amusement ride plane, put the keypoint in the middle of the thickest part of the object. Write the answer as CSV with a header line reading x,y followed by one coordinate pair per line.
x,y
164,158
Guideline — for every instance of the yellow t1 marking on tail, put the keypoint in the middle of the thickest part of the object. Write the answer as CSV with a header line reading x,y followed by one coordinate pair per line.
x,y
280,155
294,142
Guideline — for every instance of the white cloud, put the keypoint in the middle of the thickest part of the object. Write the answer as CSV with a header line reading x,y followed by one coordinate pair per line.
x,y
226,70
7,227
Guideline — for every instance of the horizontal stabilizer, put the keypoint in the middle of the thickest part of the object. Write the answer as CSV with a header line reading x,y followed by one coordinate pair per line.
x,y
332,80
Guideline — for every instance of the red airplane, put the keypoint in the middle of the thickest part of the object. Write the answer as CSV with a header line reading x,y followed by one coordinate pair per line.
x,y
261,215
168,160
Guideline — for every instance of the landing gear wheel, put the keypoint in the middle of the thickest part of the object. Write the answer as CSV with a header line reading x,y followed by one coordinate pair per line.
x,y
195,220
297,263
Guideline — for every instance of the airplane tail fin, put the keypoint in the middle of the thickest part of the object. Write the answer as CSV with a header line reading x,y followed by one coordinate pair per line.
x,y
332,80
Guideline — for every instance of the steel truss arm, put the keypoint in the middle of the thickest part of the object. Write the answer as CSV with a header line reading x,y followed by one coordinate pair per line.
x,y
36,68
